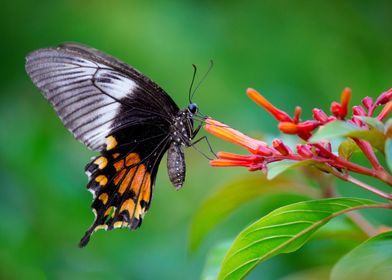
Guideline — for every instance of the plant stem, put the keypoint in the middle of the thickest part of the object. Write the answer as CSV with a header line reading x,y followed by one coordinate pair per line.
x,y
343,163
368,187
368,152
362,223
361,184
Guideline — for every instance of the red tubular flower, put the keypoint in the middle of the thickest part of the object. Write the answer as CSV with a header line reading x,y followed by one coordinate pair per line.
x,y
253,162
335,109
384,97
281,147
288,127
344,100
229,134
304,150
385,111
303,127
260,100
297,114
356,121
263,155
358,111
340,110
320,116
367,102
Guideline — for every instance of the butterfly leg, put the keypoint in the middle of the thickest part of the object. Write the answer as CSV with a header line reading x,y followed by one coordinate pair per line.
x,y
196,131
209,146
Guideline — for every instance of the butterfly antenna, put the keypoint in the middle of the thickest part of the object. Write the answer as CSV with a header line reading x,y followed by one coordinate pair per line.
x,y
202,79
193,80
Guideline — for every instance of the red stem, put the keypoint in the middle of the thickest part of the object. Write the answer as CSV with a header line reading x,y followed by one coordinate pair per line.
x,y
368,152
361,184
342,163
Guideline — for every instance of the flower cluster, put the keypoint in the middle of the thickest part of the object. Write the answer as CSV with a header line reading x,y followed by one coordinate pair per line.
x,y
319,152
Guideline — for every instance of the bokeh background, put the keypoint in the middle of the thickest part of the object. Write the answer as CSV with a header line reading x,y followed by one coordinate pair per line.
x,y
294,52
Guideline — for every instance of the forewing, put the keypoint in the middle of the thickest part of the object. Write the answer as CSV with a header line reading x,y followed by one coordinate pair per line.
x,y
95,94
122,180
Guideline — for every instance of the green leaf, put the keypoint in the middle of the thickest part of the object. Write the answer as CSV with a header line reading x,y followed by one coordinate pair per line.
x,y
213,260
370,260
284,230
343,129
225,200
347,148
388,153
372,122
278,167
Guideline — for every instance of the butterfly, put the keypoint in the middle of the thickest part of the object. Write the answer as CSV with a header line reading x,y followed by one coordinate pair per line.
x,y
116,110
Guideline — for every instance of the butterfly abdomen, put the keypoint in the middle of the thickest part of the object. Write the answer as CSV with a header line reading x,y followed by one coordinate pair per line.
x,y
176,165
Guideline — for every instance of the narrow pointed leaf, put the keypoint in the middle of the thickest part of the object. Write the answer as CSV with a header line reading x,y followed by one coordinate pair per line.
x,y
284,230
373,122
225,200
278,167
343,129
370,260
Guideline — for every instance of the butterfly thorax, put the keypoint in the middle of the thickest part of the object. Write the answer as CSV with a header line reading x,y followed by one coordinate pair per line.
x,y
180,137
181,128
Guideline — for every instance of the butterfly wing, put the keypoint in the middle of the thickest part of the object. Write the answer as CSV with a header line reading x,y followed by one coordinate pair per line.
x,y
122,178
89,91
112,108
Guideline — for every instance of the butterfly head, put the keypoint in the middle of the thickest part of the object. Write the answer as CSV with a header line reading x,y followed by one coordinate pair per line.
x,y
192,108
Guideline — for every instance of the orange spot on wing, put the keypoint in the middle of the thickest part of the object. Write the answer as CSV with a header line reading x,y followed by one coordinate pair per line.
x,y
119,176
146,190
128,205
101,162
115,155
109,211
125,183
137,181
111,142
132,159
104,198
101,179
119,165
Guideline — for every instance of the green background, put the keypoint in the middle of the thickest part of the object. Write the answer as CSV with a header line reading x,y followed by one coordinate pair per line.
x,y
294,52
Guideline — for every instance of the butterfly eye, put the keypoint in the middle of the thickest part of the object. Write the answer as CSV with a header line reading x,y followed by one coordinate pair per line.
x,y
192,108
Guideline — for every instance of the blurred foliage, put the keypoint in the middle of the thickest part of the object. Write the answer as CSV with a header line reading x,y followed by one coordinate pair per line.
x,y
294,52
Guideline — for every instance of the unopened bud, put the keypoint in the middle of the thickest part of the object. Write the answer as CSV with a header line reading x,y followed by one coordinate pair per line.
x,y
280,147
335,109
359,111
304,151
367,102
384,97
319,115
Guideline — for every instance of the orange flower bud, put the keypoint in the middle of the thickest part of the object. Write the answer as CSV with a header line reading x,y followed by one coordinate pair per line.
x,y
280,147
260,100
385,111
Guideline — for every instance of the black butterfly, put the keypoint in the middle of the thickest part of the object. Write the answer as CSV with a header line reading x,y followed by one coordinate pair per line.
x,y
116,110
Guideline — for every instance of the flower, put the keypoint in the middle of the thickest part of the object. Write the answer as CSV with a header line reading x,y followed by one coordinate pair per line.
x,y
225,132
320,152
260,100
